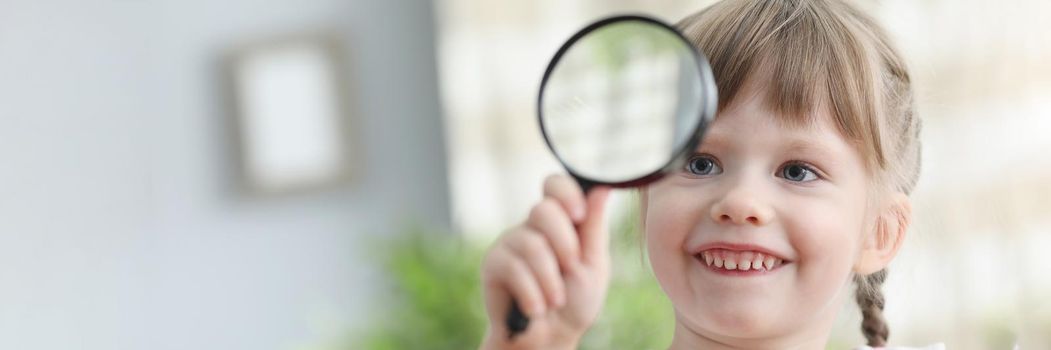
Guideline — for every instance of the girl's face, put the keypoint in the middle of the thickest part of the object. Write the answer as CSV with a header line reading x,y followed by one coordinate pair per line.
x,y
790,202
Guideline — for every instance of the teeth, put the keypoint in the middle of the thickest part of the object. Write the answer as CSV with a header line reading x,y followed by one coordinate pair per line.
x,y
743,261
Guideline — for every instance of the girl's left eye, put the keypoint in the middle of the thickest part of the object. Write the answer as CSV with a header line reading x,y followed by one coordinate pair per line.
x,y
798,172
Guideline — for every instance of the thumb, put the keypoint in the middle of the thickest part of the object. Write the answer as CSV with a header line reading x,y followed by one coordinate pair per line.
x,y
594,236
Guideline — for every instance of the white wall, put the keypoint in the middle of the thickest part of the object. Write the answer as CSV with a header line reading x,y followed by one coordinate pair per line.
x,y
120,226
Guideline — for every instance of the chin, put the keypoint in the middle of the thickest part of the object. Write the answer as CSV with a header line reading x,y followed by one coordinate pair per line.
x,y
741,321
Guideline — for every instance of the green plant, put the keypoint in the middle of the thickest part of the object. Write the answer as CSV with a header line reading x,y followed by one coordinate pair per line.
x,y
435,300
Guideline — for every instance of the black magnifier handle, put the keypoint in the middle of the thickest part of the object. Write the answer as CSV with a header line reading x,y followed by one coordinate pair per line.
x,y
517,321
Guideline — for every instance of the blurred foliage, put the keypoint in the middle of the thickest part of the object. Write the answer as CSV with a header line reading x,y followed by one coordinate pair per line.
x,y
435,297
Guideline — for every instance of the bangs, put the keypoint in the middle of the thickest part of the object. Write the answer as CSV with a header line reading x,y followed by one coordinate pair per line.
x,y
801,56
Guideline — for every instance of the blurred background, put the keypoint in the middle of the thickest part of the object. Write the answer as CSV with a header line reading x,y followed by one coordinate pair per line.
x,y
152,196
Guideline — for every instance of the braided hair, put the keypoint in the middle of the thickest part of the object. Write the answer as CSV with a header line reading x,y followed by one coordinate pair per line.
x,y
870,300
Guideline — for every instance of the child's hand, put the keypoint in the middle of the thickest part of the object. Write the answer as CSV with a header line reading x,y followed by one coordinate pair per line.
x,y
555,265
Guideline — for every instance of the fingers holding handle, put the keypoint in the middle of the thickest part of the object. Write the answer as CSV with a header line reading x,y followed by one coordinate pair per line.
x,y
572,220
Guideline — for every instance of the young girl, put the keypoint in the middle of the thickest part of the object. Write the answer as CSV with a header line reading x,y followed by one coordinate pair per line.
x,y
799,189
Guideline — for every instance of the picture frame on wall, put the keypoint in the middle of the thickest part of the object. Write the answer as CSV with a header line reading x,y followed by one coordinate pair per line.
x,y
291,115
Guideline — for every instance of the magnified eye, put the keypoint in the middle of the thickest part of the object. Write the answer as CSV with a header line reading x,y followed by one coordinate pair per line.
x,y
702,166
798,173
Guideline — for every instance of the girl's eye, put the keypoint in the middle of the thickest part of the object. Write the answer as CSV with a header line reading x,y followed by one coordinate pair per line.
x,y
798,172
702,166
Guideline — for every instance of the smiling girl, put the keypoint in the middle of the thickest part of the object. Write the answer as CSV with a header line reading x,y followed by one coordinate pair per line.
x,y
798,190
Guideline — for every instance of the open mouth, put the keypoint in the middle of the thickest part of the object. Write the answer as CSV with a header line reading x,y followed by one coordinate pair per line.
x,y
733,261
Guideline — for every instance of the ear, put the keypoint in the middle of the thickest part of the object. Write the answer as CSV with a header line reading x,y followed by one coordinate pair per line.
x,y
882,243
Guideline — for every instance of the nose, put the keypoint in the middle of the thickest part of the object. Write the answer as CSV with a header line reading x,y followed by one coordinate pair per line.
x,y
742,206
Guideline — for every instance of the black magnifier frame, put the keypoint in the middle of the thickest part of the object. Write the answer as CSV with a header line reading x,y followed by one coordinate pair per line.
x,y
516,320
708,91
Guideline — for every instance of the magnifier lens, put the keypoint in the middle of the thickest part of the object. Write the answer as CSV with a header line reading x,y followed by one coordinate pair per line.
x,y
621,100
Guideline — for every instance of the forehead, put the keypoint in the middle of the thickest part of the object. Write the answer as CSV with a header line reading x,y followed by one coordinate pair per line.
x,y
748,120
759,94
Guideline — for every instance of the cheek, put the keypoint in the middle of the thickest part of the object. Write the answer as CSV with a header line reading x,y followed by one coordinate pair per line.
x,y
671,215
827,238
664,231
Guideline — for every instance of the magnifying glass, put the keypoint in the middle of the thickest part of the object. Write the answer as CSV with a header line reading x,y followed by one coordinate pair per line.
x,y
621,104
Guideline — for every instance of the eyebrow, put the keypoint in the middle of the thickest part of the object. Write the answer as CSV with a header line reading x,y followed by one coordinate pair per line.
x,y
713,140
807,146
821,153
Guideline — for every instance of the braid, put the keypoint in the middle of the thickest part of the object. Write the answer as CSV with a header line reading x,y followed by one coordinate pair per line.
x,y
870,300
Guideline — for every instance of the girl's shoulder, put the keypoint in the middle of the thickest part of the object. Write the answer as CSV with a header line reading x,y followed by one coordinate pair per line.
x,y
936,346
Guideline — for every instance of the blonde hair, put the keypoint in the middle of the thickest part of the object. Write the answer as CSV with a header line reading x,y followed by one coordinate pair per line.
x,y
815,53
